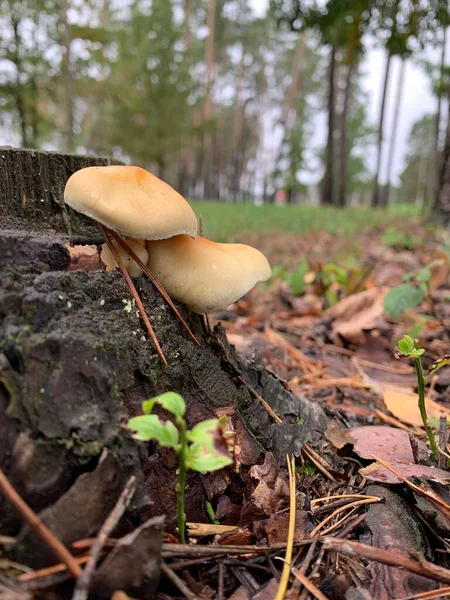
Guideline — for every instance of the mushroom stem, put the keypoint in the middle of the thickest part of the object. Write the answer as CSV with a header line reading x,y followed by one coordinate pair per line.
x,y
133,291
155,282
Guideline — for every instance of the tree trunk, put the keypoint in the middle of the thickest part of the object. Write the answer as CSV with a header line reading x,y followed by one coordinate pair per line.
x,y
289,115
208,107
442,206
437,154
18,90
393,140
328,185
66,68
183,169
74,365
376,197
342,196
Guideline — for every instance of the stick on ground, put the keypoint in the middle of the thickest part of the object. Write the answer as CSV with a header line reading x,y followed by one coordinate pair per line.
x,y
83,582
57,547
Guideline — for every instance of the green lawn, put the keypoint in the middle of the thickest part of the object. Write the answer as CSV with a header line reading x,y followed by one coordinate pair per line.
x,y
223,221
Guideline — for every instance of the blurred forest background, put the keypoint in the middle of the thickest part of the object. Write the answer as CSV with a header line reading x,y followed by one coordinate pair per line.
x,y
221,100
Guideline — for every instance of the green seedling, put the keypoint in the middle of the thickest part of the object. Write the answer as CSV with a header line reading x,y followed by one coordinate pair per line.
x,y
411,348
297,279
203,448
411,293
394,238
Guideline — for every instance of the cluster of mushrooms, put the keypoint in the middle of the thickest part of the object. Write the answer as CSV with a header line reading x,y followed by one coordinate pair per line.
x,y
150,228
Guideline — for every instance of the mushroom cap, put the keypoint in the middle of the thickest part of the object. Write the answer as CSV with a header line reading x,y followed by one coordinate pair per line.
x,y
131,201
204,275
133,268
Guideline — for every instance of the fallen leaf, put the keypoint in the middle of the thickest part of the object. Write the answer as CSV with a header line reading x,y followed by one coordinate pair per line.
x,y
392,526
356,314
272,490
276,527
389,443
133,566
403,405
376,472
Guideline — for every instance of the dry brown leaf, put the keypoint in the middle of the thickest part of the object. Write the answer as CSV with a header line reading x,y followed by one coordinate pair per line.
x,y
376,472
386,442
403,405
356,314
439,272
272,490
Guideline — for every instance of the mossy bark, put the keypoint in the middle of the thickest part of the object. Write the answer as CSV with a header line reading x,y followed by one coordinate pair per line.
x,y
76,361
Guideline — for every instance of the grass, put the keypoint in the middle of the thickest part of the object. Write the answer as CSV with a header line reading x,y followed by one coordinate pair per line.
x,y
223,221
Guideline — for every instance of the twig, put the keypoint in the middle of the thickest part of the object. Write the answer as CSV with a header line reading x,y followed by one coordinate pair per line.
x,y
443,441
414,447
264,404
221,585
339,522
440,593
424,568
317,461
53,570
83,582
318,527
158,285
57,547
312,589
313,573
413,486
179,583
351,526
296,587
134,292
282,586
341,497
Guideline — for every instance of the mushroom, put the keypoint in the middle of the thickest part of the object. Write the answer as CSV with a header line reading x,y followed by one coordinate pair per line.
x,y
132,202
133,268
205,275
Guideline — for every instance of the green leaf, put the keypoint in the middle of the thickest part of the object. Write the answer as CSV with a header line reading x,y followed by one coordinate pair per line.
x,y
170,401
297,282
204,431
147,406
203,458
402,298
150,427
406,344
209,448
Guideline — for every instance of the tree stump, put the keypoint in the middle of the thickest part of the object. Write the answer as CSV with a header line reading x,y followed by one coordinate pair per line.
x,y
76,362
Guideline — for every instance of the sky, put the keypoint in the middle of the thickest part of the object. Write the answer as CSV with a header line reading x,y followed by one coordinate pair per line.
x,y
418,99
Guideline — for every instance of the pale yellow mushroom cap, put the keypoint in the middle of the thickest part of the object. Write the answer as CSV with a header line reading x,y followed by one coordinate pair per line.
x,y
133,268
131,201
204,275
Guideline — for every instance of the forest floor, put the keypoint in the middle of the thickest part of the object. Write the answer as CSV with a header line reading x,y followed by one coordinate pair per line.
x,y
366,513
328,324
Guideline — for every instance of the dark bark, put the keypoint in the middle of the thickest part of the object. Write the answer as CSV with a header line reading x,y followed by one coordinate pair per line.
x,y
377,193
328,184
437,154
442,205
342,196
74,366
18,90
66,43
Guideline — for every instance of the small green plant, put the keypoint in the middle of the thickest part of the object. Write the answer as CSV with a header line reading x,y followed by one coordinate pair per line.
x,y
399,239
411,348
411,293
203,448
297,279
